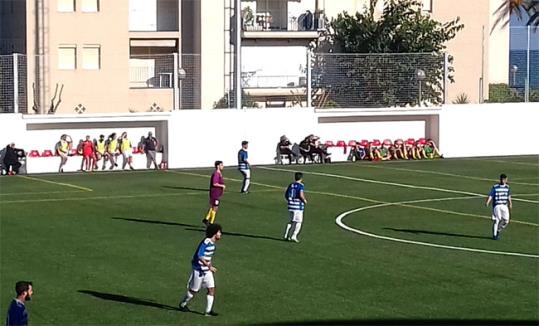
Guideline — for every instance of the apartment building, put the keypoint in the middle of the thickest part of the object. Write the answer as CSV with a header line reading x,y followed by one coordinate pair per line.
x,y
101,56
96,56
276,35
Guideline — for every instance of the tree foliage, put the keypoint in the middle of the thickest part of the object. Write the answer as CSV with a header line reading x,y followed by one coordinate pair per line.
x,y
401,28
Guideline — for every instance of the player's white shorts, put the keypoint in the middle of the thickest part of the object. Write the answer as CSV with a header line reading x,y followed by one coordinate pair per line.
x,y
199,280
126,155
246,173
296,216
500,212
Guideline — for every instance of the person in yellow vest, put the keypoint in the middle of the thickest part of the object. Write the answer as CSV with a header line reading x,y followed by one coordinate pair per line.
x,y
99,153
63,146
112,150
126,150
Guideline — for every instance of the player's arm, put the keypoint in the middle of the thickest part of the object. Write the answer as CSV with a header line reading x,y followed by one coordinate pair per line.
x,y
215,183
489,199
510,203
302,197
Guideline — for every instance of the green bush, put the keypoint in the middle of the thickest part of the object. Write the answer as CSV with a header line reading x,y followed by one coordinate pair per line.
x,y
502,93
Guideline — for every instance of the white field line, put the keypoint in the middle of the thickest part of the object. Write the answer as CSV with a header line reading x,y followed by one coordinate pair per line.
x,y
376,201
339,222
40,193
56,183
108,197
503,161
226,178
524,195
404,185
447,174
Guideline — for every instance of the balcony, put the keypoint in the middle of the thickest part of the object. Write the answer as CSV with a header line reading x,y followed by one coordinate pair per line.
x,y
281,19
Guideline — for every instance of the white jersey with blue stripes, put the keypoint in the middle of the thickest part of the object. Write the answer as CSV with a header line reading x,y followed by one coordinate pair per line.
x,y
292,195
500,194
205,251
243,164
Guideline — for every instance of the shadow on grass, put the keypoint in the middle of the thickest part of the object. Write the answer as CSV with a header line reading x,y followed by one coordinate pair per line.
x,y
130,300
186,188
190,227
438,233
403,322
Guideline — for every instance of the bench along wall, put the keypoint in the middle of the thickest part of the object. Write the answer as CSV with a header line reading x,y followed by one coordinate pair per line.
x,y
196,138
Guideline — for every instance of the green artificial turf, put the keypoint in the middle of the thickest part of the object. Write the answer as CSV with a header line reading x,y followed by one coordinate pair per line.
x,y
114,248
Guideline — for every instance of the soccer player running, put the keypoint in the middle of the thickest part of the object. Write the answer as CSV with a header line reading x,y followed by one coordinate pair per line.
x,y
500,196
244,167
203,269
295,196
217,188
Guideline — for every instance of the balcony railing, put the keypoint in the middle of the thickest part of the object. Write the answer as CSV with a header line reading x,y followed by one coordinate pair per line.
x,y
281,15
274,81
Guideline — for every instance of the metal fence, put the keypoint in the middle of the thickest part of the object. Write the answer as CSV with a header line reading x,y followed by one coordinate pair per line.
x,y
13,78
377,80
181,73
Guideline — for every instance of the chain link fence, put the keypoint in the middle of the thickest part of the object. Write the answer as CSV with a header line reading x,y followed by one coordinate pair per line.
x,y
13,78
377,80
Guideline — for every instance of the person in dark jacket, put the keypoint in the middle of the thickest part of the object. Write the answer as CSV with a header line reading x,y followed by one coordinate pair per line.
x,y
11,158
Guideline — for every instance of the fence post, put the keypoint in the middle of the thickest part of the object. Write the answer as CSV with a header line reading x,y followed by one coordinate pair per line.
x,y
15,83
527,84
176,90
309,77
446,76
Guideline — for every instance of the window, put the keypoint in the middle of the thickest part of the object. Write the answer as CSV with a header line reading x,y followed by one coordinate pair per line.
x,y
89,5
66,5
427,5
67,57
91,57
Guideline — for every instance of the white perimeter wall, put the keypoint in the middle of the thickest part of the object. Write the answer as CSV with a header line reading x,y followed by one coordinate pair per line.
x,y
199,137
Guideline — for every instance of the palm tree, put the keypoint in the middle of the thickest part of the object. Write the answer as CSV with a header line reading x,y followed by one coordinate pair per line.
x,y
518,7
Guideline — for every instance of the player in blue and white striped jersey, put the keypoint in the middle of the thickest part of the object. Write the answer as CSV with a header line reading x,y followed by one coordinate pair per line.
x,y
244,167
500,196
295,197
203,269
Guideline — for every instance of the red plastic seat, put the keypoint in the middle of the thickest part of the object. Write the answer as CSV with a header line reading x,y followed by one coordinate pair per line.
x,y
352,143
136,150
73,152
410,141
47,153
376,142
329,143
342,143
387,142
422,141
34,153
364,143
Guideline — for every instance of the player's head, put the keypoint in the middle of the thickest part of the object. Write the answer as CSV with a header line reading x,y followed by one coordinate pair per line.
x,y
87,137
244,144
503,178
24,289
101,137
214,230
298,176
218,165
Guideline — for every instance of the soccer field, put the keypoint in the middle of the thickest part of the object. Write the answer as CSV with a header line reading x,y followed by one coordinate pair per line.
x,y
388,241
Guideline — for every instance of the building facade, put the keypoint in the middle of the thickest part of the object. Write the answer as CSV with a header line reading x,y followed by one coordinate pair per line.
x,y
95,56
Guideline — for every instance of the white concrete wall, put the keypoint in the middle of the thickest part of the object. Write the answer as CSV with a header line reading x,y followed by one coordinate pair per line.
x,y
199,137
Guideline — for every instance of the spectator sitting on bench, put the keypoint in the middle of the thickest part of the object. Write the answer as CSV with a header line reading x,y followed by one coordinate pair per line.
x,y
305,149
11,159
284,147
317,148
431,150
398,151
